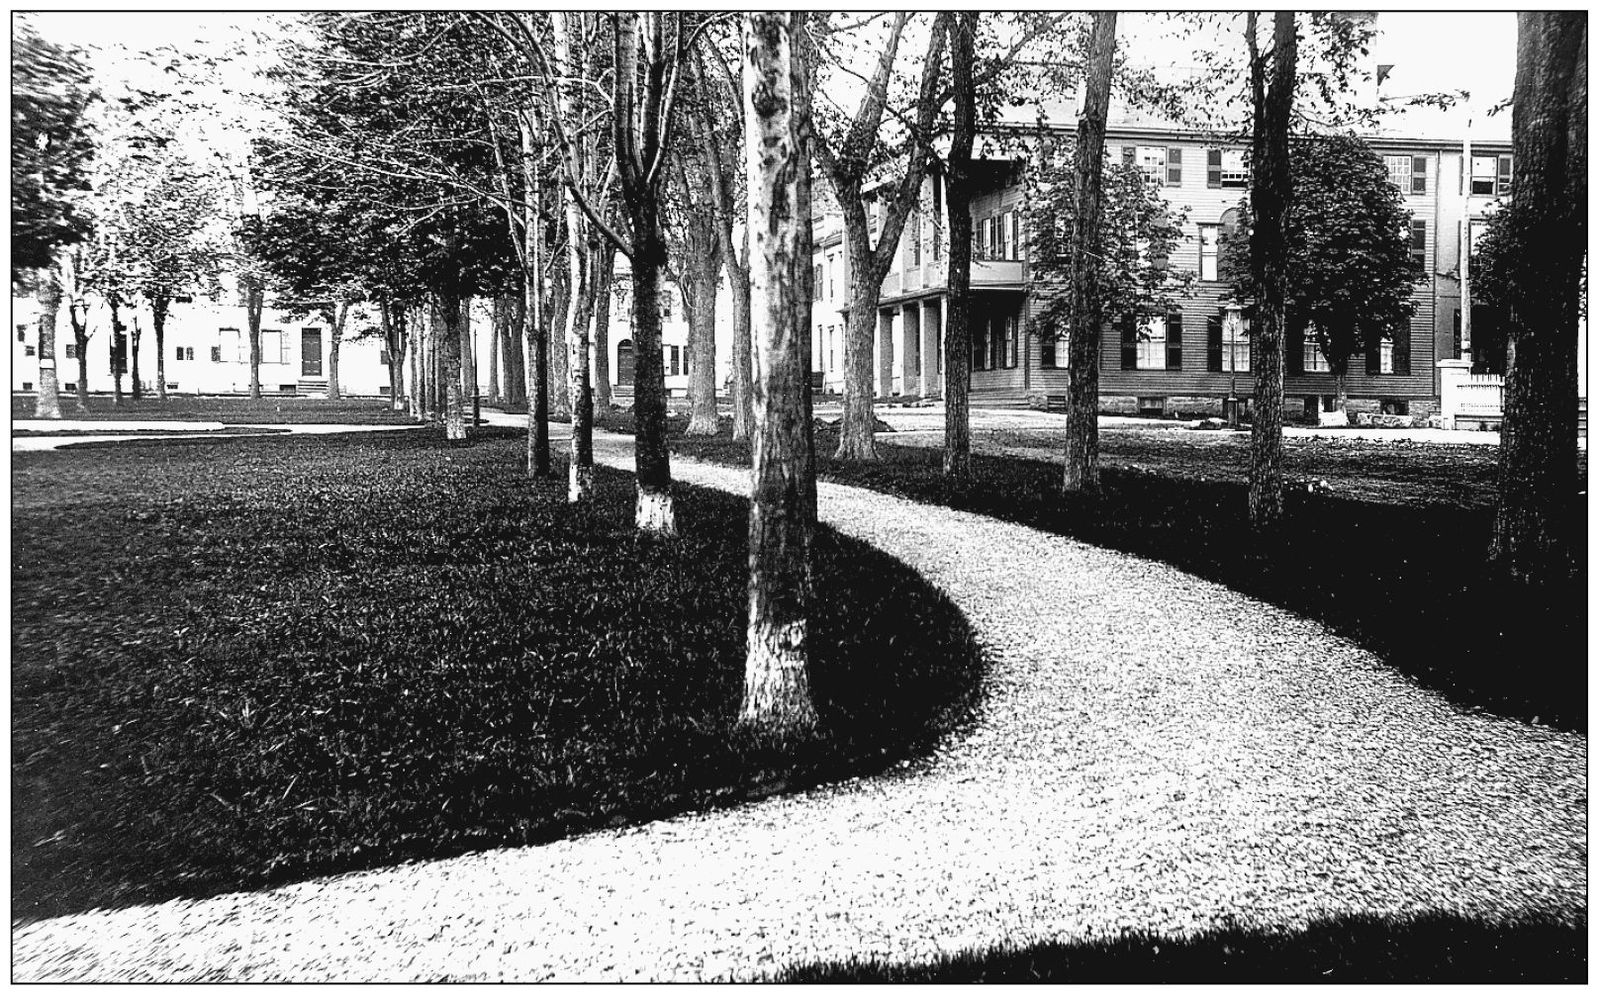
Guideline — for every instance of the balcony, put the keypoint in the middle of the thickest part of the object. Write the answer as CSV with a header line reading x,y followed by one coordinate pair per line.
x,y
930,277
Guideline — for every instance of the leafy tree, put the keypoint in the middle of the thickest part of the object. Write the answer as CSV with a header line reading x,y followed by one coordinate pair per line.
x,y
1349,268
1538,528
51,147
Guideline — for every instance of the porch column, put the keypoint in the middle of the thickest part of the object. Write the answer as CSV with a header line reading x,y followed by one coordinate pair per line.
x,y
911,348
932,326
885,364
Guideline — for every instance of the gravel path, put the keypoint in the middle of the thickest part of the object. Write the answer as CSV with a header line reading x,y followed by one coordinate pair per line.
x,y
1157,752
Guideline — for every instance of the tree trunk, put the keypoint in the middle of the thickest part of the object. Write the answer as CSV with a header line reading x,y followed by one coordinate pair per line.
x,y
777,703
1081,470
47,404
858,423
119,351
560,311
605,267
158,322
1341,397
580,463
700,301
1270,192
469,364
418,334
497,323
536,368
136,389
254,303
335,339
653,511
802,58
1539,519
743,411
455,423
958,202
511,353
80,336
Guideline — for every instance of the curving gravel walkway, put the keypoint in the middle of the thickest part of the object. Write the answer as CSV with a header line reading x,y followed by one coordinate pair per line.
x,y
1157,752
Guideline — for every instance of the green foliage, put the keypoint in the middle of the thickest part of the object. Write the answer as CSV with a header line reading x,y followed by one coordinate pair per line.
x,y
1350,274
280,657
51,147
1138,232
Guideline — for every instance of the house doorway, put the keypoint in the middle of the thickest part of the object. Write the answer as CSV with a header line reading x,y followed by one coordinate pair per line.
x,y
311,352
625,363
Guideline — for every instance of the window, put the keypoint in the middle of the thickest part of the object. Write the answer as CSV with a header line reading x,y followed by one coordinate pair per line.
x,y
980,345
183,298
184,353
664,299
172,386
27,350
1210,241
938,238
1174,167
1419,243
675,357
832,260
1386,356
1225,168
916,238
383,357
1048,345
1235,342
1008,236
70,386
1312,359
179,355
1011,341
72,350
22,333
816,282
1151,160
985,239
216,354
1408,173
1491,175
1016,234
1152,344
27,385
830,334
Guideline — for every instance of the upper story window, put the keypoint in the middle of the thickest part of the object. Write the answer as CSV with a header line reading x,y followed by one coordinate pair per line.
x,y
915,229
1210,243
1408,173
816,282
1225,168
1419,243
1491,175
1160,163
664,300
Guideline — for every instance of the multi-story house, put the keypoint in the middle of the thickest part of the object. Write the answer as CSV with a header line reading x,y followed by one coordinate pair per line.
x,y
1191,357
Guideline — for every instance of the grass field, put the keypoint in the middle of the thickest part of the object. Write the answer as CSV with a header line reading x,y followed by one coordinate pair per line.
x,y
228,410
1390,554
1435,948
256,660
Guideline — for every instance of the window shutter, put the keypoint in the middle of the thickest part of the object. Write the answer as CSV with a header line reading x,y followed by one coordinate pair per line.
x,y
1502,186
1130,343
1419,174
1174,167
1214,343
1129,155
1213,167
1375,359
1047,351
1402,353
1294,348
1175,342
1419,243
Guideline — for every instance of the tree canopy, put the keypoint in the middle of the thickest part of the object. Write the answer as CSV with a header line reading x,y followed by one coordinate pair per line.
x,y
51,147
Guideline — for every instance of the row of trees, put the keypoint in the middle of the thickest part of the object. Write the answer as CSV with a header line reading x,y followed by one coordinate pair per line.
x,y
431,158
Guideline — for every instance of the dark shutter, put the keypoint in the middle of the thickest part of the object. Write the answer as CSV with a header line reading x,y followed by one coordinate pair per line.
x,y
1130,343
1375,359
1214,343
1402,353
1294,349
1175,342
1213,167
1419,243
1419,174
1175,167
1129,155
1047,351
1502,186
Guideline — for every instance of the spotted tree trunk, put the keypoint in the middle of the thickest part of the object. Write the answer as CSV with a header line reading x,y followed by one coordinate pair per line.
x,y
777,702
958,201
1539,525
47,404
1081,471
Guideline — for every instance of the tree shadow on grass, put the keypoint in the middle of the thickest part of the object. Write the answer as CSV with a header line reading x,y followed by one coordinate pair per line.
x,y
1432,948
265,660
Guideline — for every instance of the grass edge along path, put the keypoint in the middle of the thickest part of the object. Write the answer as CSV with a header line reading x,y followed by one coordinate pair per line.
x,y
277,658
1406,582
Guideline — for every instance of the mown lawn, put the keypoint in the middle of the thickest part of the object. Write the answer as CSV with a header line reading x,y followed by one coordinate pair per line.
x,y
1392,555
228,410
1434,948
240,662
